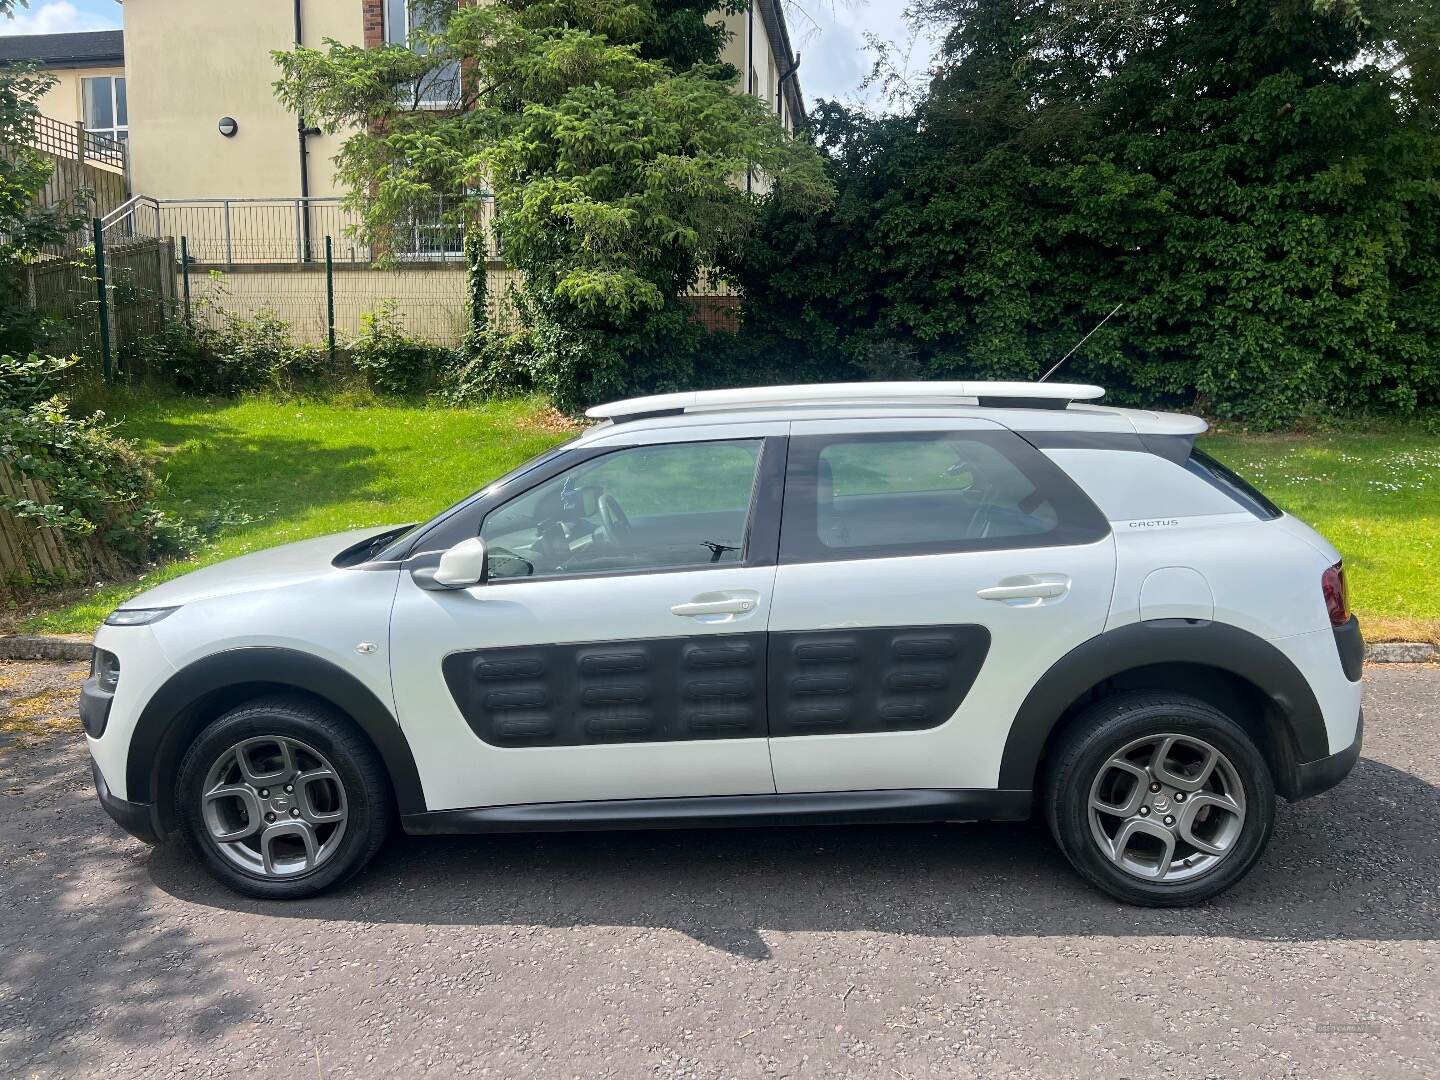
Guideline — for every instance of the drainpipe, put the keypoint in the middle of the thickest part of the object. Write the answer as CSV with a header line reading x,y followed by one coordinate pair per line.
x,y
303,132
749,73
780,87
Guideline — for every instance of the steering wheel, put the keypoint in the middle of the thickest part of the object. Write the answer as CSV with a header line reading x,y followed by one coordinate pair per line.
x,y
618,529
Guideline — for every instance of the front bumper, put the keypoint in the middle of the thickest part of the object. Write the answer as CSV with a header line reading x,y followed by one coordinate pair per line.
x,y
138,819
1313,777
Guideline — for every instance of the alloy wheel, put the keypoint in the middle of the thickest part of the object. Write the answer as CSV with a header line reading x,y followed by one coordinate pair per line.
x,y
274,806
1167,808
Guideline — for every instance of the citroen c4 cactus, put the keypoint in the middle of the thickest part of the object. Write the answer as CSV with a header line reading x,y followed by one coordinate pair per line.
x,y
903,602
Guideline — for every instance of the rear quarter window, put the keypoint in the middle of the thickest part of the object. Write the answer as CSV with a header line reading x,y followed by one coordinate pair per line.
x,y
1235,487
1135,485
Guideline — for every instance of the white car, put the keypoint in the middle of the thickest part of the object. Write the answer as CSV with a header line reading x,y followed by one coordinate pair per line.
x,y
792,605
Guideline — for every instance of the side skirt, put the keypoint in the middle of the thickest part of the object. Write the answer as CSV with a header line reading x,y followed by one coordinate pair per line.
x,y
732,811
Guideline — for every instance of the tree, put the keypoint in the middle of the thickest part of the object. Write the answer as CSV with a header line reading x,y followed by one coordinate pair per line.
x,y
1254,181
611,137
100,487
25,229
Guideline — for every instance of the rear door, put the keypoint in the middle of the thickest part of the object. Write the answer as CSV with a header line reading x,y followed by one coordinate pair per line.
x,y
930,572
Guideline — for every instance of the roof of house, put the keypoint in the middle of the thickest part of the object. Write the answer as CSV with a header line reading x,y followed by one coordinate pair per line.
x,y
94,48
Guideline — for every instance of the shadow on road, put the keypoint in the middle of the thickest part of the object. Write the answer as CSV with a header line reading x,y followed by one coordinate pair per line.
x,y
84,959
1350,864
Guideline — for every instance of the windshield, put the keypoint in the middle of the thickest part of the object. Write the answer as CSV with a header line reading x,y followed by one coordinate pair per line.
x,y
397,548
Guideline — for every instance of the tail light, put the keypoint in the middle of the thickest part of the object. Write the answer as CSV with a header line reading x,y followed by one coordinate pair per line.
x,y
1337,594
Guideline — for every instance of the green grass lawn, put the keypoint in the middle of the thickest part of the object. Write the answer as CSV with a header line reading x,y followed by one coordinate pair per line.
x,y
1376,497
269,471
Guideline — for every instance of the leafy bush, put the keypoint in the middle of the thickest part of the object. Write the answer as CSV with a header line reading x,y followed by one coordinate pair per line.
x,y
28,380
1254,181
496,363
580,361
245,353
391,361
97,484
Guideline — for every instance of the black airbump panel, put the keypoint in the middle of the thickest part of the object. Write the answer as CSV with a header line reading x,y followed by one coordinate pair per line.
x,y
892,678
714,687
656,690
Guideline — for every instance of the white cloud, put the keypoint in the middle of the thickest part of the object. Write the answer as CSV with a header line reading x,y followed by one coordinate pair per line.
x,y
51,17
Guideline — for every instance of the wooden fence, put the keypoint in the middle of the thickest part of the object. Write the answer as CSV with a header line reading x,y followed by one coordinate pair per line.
x,y
96,191
33,555
141,276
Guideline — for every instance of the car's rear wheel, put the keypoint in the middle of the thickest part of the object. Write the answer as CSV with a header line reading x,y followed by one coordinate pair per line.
x,y
1159,799
283,798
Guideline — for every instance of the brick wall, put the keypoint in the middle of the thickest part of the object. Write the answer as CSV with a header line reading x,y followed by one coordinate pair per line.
x,y
373,20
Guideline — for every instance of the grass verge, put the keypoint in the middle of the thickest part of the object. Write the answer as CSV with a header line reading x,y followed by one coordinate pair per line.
x,y
260,472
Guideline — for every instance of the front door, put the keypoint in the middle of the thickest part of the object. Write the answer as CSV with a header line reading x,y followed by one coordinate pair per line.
x,y
930,572
618,650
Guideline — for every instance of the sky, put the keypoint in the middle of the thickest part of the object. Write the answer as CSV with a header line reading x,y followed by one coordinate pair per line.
x,y
828,34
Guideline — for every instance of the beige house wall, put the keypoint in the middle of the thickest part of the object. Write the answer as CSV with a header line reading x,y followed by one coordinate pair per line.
x,y
191,62
739,55
431,301
62,101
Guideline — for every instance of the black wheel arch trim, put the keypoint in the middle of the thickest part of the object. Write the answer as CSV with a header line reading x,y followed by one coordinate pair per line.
x,y
207,680
1169,641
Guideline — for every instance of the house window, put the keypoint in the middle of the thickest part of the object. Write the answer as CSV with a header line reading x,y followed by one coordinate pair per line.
x,y
432,233
103,103
437,89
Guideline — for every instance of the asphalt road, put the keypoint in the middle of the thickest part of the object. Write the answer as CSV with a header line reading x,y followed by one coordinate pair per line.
x,y
907,952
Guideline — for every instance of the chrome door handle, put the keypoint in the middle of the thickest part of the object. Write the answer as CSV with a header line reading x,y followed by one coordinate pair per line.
x,y
713,607
1039,590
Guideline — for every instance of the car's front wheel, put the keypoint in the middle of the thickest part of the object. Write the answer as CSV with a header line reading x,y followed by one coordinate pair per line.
x,y
1159,799
283,798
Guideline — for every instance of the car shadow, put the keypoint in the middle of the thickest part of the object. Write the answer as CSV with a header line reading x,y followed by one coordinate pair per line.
x,y
1355,863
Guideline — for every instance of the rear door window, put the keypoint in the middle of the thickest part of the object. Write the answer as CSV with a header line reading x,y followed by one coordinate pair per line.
x,y
873,495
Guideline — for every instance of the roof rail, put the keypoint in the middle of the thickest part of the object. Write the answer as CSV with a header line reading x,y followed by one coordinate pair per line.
x,y
1011,394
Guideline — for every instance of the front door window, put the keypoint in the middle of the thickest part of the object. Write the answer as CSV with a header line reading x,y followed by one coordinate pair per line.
x,y
644,508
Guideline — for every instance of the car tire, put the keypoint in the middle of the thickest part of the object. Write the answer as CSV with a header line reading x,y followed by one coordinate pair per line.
x,y
1111,799
283,798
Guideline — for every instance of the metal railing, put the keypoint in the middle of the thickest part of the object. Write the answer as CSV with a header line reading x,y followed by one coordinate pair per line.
x,y
232,232
72,141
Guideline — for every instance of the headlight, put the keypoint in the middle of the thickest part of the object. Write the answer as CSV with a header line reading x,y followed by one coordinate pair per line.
x,y
137,616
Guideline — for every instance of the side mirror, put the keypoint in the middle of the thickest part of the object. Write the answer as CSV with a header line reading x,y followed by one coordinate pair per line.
x,y
465,565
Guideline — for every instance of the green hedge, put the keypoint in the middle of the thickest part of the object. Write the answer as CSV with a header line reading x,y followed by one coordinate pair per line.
x,y
1253,181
